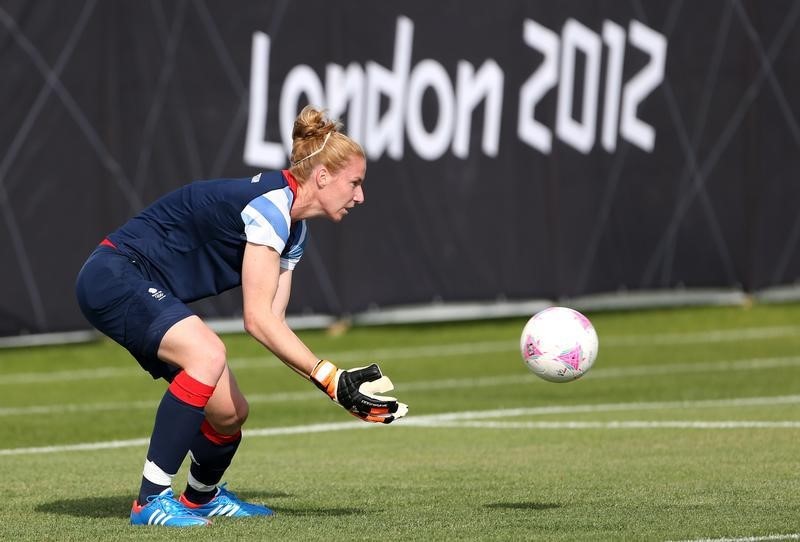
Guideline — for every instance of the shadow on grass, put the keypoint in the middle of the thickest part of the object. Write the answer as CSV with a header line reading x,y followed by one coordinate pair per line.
x,y
319,512
522,505
120,506
90,507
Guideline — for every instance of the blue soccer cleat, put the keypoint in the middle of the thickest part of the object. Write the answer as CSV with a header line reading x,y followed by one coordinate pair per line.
x,y
226,503
164,510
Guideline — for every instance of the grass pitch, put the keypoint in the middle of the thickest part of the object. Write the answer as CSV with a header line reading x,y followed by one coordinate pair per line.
x,y
686,428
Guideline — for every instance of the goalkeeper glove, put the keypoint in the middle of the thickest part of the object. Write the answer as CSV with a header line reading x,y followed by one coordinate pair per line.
x,y
357,391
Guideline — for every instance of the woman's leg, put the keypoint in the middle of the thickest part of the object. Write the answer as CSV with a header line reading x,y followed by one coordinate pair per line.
x,y
214,446
195,348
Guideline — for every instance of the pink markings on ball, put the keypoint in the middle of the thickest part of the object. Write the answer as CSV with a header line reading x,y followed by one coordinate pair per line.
x,y
583,320
572,357
531,348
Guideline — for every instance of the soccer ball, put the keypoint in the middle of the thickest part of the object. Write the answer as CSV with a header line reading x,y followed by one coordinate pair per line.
x,y
559,344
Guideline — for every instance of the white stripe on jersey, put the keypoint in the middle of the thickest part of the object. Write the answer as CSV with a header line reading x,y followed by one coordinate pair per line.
x,y
266,230
259,231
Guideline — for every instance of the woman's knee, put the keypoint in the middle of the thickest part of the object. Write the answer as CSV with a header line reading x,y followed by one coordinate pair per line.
x,y
230,419
207,362
240,415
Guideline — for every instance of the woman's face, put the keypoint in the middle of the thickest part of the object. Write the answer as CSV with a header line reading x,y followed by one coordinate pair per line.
x,y
343,190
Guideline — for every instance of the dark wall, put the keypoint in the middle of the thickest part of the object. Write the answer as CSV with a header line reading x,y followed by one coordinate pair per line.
x,y
539,149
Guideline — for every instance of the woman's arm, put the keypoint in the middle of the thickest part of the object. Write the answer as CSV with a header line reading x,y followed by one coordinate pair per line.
x,y
265,292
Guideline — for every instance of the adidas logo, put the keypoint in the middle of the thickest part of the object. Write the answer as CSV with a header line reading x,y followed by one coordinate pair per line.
x,y
255,179
156,294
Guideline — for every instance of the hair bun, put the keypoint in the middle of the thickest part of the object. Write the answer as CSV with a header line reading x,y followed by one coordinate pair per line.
x,y
312,123
315,139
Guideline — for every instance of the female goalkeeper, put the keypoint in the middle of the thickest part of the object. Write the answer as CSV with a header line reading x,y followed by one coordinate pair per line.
x,y
196,242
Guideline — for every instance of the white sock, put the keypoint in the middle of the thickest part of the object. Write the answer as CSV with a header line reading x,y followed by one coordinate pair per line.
x,y
153,473
197,485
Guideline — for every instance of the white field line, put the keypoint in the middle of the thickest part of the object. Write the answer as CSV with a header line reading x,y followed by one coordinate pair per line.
x,y
15,379
128,371
631,424
141,442
738,402
440,350
711,336
521,378
766,538
459,419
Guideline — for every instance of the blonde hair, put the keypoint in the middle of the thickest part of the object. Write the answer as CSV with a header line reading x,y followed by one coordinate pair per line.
x,y
319,140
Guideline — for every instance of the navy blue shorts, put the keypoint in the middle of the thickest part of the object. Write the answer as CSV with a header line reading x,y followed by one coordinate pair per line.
x,y
118,298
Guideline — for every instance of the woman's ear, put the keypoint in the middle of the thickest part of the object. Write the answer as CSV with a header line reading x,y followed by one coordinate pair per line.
x,y
322,177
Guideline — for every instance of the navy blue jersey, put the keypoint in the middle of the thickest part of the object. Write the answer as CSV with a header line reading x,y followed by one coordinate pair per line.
x,y
192,240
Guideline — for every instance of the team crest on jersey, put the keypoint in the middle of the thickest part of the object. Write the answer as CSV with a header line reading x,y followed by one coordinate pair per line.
x,y
158,295
255,179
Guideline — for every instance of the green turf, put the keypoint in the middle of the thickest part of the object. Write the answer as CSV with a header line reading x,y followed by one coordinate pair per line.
x,y
658,442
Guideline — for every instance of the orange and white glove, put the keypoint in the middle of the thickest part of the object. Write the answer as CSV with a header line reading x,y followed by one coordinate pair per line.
x,y
357,391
